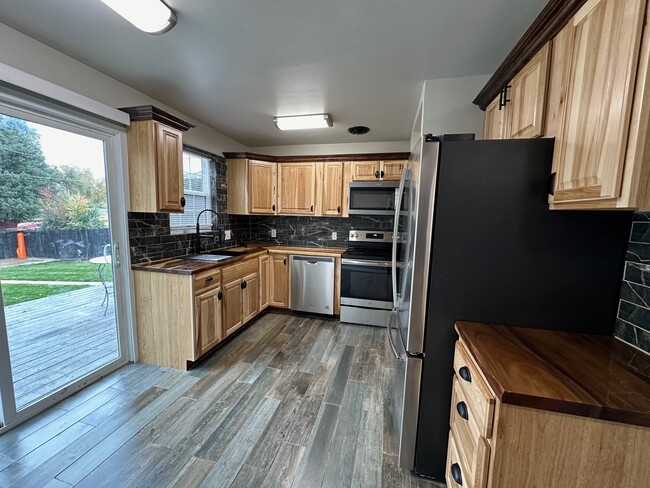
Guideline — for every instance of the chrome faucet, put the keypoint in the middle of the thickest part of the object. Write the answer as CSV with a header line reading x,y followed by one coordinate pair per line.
x,y
198,228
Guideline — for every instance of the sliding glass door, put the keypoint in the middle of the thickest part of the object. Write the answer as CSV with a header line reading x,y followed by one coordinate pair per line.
x,y
63,308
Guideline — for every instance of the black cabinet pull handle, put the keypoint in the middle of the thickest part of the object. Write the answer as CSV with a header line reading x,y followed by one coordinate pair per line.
x,y
338,209
243,285
382,173
182,201
461,408
273,207
457,474
219,296
209,279
377,174
465,374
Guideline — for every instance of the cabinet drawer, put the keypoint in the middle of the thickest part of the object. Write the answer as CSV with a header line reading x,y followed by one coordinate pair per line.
x,y
478,396
206,281
457,473
239,271
472,447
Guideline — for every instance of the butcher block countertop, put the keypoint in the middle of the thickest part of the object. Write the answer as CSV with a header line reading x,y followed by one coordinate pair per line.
x,y
189,267
579,374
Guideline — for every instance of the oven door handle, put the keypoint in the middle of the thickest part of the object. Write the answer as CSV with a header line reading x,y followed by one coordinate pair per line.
x,y
372,264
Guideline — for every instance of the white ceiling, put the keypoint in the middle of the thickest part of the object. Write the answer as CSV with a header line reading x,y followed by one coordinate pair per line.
x,y
234,64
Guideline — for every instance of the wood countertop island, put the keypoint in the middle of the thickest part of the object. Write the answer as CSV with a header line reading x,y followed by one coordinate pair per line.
x,y
579,374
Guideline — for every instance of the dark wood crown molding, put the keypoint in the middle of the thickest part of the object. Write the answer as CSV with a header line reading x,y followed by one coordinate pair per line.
x,y
546,26
149,112
394,156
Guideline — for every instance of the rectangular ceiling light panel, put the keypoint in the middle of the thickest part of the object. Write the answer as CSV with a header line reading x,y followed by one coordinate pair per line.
x,y
298,122
151,16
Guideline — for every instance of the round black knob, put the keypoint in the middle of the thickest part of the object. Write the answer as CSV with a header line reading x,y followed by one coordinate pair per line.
x,y
312,208
285,261
273,207
461,408
465,374
457,474
377,174
243,285
338,209
382,173
209,279
219,296
182,201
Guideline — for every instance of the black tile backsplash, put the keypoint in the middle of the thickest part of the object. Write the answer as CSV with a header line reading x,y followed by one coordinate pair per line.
x,y
312,231
633,322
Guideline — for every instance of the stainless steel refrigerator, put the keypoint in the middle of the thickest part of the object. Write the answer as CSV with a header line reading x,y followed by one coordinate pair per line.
x,y
482,245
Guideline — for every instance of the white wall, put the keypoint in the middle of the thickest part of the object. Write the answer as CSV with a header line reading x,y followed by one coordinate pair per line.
x,y
343,148
38,59
448,106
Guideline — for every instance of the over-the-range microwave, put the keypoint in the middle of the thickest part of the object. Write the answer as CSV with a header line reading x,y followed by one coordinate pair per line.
x,y
373,198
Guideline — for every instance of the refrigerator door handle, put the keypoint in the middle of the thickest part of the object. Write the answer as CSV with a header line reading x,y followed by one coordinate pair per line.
x,y
398,205
391,341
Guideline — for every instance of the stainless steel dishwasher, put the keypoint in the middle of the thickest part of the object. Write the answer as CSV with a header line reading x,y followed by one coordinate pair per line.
x,y
312,284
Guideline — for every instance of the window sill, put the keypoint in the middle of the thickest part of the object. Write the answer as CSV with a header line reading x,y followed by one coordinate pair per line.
x,y
175,231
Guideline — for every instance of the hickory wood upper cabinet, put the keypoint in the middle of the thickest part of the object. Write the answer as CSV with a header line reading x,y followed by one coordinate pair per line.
x,y
377,170
262,189
155,152
600,158
330,202
297,188
252,187
495,121
523,115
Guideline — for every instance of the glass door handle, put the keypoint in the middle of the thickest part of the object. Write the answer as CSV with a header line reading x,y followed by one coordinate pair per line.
x,y
116,255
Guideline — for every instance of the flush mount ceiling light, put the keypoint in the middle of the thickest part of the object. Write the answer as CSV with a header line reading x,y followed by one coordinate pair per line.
x,y
297,122
150,16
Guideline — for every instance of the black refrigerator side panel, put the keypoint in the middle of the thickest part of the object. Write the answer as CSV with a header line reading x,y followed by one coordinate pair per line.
x,y
501,256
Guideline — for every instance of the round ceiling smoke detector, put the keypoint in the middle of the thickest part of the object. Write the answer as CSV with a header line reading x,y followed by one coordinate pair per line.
x,y
358,130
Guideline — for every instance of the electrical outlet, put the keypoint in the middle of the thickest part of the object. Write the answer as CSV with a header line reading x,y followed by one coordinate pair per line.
x,y
334,236
273,233
228,235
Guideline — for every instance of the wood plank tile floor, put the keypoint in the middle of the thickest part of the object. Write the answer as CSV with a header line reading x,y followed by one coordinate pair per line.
x,y
289,402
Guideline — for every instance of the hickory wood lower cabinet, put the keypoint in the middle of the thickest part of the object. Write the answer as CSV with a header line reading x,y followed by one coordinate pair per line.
x,y
543,409
182,317
280,284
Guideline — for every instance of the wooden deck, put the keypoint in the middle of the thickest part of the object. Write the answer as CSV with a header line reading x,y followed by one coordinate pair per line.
x,y
59,339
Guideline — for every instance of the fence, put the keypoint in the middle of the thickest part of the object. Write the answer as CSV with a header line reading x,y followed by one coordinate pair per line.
x,y
56,244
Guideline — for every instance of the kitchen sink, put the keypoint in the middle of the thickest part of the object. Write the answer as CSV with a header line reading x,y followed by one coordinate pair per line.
x,y
227,252
207,257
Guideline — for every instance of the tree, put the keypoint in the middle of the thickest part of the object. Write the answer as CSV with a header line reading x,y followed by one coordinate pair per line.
x,y
81,181
67,210
23,171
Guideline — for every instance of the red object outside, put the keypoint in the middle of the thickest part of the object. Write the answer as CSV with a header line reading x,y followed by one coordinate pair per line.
x,y
21,252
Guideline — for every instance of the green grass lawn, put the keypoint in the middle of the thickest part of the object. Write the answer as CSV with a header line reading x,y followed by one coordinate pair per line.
x,y
55,271
13,294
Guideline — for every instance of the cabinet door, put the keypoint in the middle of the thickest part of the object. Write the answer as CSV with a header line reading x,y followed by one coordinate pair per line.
x,y
526,111
250,296
366,170
262,181
232,307
169,165
590,147
494,126
207,320
332,189
264,281
280,280
297,183
392,170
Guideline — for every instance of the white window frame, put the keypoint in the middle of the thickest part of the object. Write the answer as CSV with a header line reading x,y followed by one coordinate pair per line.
x,y
211,193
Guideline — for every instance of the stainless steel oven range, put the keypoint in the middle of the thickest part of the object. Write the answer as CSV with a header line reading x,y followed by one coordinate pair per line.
x,y
366,282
